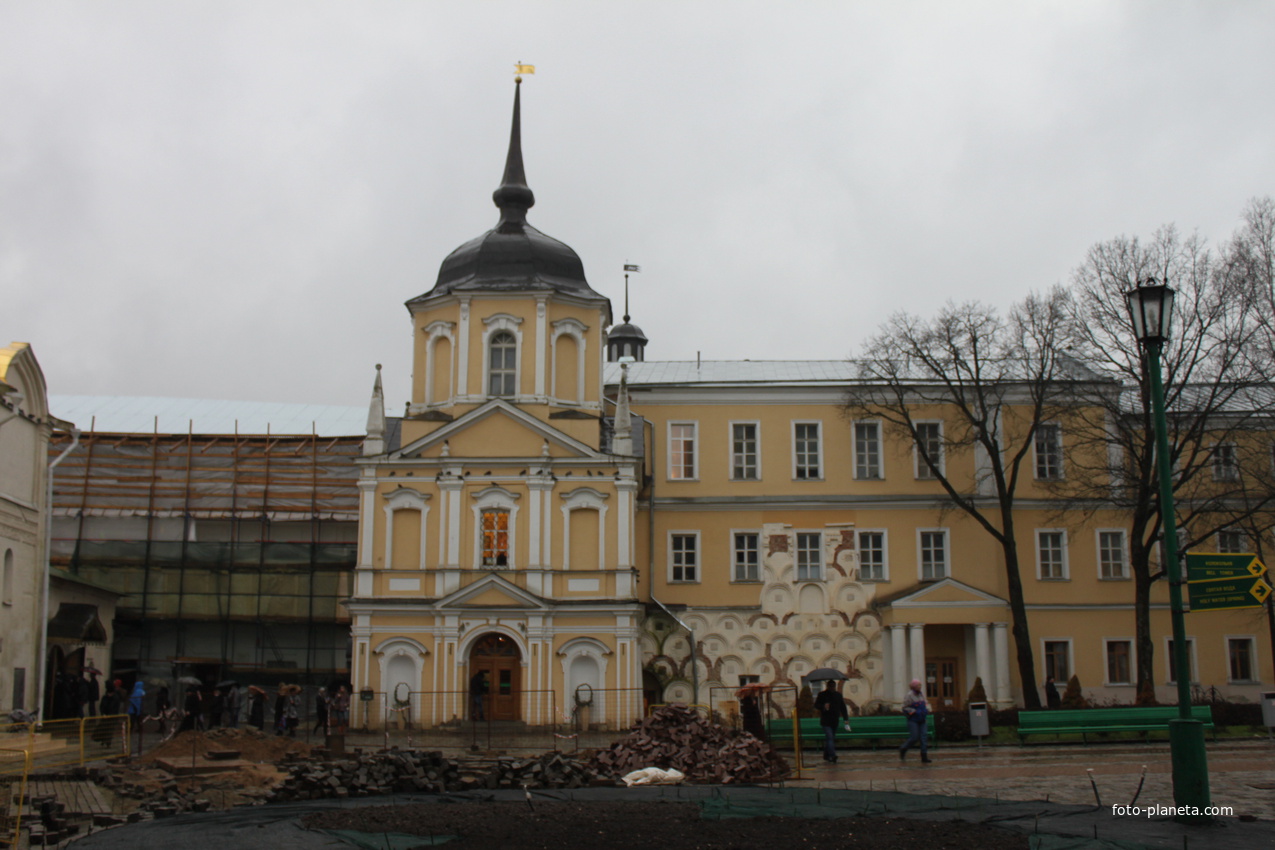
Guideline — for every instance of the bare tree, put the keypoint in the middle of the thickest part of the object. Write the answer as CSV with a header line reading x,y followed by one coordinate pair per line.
x,y
997,379
1215,376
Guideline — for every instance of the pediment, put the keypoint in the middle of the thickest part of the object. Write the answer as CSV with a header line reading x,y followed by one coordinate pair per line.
x,y
497,429
492,591
947,593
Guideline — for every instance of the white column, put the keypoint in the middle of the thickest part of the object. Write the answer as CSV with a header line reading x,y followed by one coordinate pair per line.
x,y
898,662
916,644
982,657
625,488
541,346
462,350
1000,652
535,523
367,512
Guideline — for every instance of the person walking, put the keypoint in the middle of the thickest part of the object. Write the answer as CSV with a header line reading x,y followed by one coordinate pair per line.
x,y
256,707
232,706
832,710
916,709
477,691
341,710
1052,700
94,693
321,711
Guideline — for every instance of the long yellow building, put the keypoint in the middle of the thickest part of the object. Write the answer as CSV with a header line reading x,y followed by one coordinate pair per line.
x,y
562,528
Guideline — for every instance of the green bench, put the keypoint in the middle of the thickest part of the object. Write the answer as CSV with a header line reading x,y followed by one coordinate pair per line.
x,y
1086,721
875,728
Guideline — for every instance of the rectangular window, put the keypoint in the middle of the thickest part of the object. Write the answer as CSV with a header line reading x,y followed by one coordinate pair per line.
x,y
1058,660
749,679
746,557
1173,661
1226,465
684,557
929,442
743,451
1119,662
1051,554
805,450
1112,561
1049,458
495,539
681,456
1239,654
809,556
933,550
867,451
872,556
1230,540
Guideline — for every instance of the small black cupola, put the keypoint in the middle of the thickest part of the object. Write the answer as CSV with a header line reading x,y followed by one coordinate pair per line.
x,y
626,340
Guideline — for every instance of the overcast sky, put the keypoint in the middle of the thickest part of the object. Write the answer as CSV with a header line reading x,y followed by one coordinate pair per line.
x,y
233,200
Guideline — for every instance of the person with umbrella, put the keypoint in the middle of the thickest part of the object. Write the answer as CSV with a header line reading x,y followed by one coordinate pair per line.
x,y
256,707
832,710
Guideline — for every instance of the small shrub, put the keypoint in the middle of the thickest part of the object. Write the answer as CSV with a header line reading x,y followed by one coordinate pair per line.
x,y
1074,697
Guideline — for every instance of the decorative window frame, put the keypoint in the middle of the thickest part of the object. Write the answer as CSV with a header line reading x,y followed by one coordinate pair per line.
x,y
404,499
434,332
699,556
493,325
575,329
854,450
1133,662
585,498
1224,469
495,498
947,554
695,444
1254,665
1125,572
819,551
918,465
885,552
1062,455
819,453
1066,559
730,448
1192,662
734,564
1071,658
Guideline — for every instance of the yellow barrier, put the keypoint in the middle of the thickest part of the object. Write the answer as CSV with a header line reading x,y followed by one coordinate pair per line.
x,y
73,741
15,767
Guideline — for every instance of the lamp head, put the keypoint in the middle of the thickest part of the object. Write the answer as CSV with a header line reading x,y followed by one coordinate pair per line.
x,y
1151,310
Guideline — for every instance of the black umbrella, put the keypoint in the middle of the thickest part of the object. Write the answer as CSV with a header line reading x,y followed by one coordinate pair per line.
x,y
821,674
229,683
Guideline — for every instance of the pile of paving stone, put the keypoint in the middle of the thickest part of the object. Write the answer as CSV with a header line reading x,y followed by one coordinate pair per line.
x,y
400,771
676,737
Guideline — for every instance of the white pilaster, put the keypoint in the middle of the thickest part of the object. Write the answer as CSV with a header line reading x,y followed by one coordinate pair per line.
x,y
451,488
1000,652
916,645
626,487
541,346
462,350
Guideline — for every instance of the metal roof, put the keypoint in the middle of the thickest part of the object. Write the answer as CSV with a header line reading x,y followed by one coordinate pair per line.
x,y
155,414
736,372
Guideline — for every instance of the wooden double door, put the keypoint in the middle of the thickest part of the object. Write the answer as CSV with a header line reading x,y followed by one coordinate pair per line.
x,y
498,656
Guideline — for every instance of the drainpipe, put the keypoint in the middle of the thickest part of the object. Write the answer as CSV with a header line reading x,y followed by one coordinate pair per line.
x,y
694,672
42,672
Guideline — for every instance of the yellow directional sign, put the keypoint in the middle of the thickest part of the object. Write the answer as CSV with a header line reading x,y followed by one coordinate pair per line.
x,y
1213,566
1224,594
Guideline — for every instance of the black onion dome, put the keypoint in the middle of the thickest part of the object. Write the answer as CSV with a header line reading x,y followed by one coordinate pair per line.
x,y
512,256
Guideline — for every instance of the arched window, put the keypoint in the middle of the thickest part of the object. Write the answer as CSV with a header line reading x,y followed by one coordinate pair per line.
x,y
502,374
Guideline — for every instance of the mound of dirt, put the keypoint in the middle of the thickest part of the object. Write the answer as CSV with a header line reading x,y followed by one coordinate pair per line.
x,y
251,744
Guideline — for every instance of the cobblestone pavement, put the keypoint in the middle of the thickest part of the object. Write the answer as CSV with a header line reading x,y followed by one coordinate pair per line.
x,y
1241,773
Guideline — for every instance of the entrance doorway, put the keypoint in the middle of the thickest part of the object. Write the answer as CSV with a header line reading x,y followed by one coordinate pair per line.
x,y
942,684
498,657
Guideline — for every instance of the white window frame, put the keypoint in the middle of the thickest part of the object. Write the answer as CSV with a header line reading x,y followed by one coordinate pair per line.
x,y
695,453
921,471
697,566
885,553
1124,553
1190,660
494,325
730,449
1056,428
1244,546
1064,566
920,556
797,550
877,473
1106,661
495,499
734,555
1224,462
818,423
1059,682
1252,659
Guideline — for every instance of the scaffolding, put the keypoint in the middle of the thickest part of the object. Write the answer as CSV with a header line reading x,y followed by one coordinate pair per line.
x,y
232,552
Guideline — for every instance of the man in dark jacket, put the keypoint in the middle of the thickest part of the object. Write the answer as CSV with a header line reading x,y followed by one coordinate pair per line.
x,y
832,710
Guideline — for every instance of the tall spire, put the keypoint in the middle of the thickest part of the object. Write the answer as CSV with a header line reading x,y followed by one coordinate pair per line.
x,y
374,443
622,435
514,197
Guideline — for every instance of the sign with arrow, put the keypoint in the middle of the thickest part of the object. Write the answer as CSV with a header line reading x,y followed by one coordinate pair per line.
x,y
1224,594
1212,566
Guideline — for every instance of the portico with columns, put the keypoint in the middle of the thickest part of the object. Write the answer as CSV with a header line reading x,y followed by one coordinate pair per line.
x,y
947,634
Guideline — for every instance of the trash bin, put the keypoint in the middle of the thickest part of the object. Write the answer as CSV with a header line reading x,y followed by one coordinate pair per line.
x,y
1268,709
980,726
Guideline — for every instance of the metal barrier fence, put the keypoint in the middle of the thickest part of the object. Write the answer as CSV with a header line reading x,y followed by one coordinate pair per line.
x,y
15,767
73,741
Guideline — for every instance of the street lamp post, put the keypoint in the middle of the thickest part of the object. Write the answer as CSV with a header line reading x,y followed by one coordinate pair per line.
x,y
1151,309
